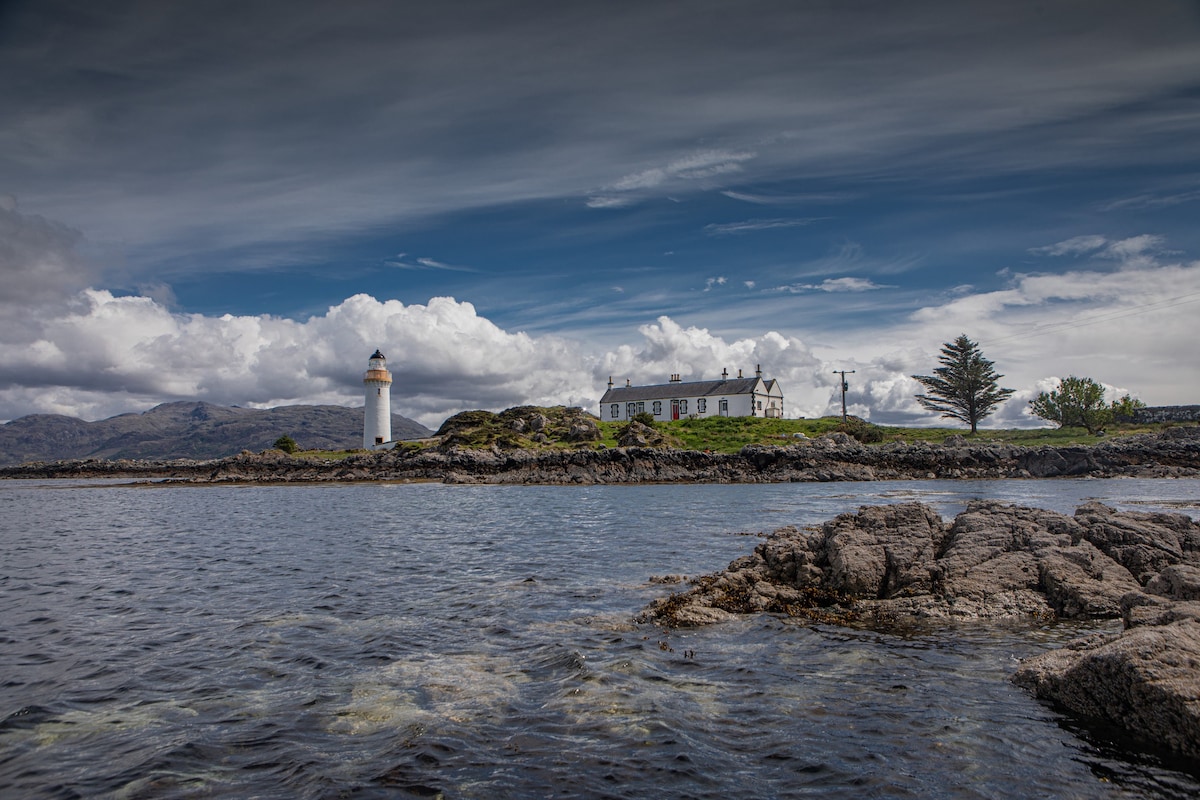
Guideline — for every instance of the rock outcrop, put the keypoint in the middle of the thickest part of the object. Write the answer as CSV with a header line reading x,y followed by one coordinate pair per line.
x,y
887,567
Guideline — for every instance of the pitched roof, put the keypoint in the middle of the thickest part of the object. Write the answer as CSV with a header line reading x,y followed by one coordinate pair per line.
x,y
666,391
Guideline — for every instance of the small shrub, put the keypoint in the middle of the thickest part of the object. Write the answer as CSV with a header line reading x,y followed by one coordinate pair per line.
x,y
861,430
287,444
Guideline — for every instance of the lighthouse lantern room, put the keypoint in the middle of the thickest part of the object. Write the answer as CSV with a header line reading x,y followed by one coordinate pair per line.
x,y
377,414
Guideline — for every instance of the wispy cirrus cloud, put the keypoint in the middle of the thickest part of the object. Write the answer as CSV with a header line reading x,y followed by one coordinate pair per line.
x,y
1143,201
753,225
696,166
402,261
1133,251
847,284
768,199
1076,245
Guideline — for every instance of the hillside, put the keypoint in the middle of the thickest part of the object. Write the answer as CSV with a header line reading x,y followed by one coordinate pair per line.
x,y
188,430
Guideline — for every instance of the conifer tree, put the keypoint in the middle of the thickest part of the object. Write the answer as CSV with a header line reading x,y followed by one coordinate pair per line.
x,y
965,387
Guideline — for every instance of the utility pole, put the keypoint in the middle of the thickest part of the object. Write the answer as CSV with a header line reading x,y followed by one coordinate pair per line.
x,y
845,386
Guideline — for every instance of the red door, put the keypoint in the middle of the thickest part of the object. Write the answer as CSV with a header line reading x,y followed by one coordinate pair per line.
x,y
674,409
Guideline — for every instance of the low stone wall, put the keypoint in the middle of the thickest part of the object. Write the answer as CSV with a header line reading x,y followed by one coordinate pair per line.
x,y
1145,416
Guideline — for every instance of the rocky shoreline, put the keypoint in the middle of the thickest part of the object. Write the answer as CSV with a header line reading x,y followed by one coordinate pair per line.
x,y
893,567
1175,452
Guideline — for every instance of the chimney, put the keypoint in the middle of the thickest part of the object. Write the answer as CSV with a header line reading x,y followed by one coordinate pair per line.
x,y
675,378
628,383
739,373
610,381
758,370
724,374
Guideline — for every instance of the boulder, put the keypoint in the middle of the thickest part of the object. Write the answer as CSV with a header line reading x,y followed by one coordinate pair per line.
x,y
1146,680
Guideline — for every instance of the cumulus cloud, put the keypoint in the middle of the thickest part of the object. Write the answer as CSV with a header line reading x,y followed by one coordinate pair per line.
x,y
668,348
111,354
1132,329
711,282
93,352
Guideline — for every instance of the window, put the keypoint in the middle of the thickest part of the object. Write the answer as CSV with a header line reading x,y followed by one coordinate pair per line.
x,y
760,405
630,410
615,410
723,407
701,405
682,407
657,408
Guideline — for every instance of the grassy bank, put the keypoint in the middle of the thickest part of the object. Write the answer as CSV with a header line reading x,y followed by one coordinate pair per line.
x,y
730,434
724,434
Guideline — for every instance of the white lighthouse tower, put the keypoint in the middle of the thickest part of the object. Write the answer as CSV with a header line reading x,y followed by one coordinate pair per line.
x,y
377,415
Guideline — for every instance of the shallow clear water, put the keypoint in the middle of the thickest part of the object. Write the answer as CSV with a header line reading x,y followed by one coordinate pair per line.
x,y
410,640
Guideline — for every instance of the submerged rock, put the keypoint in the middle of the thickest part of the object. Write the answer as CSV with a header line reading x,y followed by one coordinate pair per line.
x,y
889,566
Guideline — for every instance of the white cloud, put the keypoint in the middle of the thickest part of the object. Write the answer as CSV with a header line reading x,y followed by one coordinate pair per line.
x,y
751,225
847,284
1130,329
98,354
695,166
668,348
114,353
604,201
1152,200
402,262
1076,245
764,199
711,282
1135,252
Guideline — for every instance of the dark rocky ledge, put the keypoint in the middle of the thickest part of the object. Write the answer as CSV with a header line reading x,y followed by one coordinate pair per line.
x,y
890,567
1173,453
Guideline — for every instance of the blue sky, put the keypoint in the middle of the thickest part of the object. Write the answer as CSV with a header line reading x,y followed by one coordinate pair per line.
x,y
515,200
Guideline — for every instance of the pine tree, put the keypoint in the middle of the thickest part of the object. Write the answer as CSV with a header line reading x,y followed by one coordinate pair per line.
x,y
965,387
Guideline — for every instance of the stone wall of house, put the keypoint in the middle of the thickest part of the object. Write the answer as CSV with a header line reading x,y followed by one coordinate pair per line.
x,y
1167,414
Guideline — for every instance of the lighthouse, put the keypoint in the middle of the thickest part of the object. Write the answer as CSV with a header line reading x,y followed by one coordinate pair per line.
x,y
377,415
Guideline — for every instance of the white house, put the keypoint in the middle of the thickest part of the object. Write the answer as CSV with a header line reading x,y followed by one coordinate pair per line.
x,y
726,397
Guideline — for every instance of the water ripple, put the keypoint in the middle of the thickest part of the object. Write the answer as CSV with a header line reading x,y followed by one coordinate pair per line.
x,y
476,642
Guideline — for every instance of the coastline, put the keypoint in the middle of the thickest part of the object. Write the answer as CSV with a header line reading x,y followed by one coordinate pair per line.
x,y
1173,453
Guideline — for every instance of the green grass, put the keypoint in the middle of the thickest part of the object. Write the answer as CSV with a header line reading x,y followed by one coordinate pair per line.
x,y
731,434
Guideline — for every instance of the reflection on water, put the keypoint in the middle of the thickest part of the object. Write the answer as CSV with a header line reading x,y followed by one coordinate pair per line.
x,y
365,641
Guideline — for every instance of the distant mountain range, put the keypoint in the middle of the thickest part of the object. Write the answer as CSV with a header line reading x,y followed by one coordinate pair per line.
x,y
188,430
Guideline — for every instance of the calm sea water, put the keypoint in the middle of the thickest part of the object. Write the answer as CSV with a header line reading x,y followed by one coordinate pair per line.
x,y
476,642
